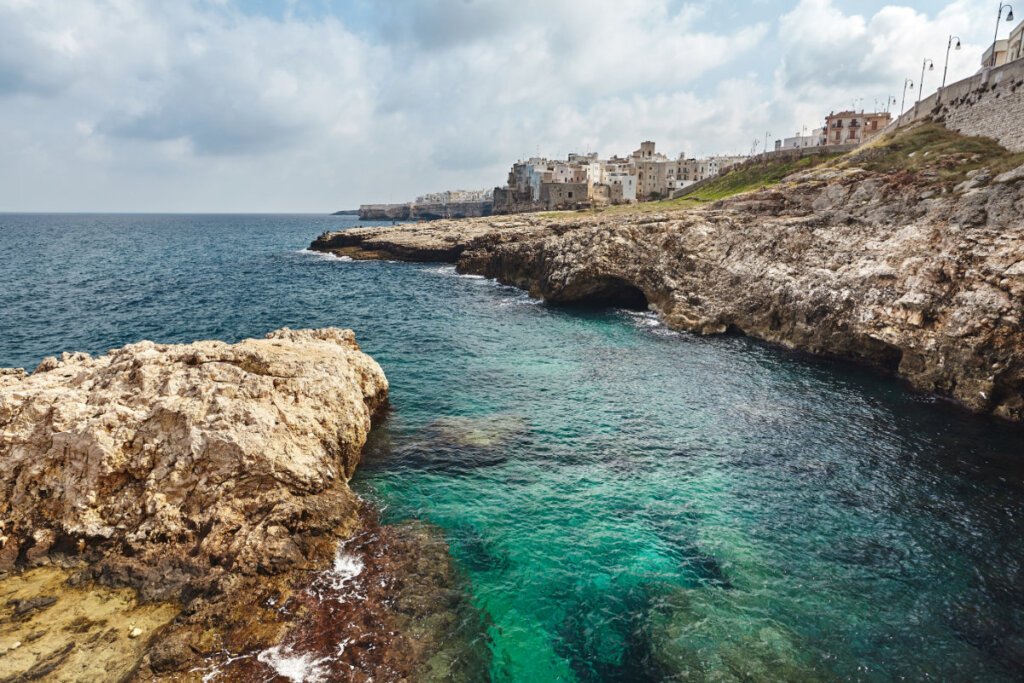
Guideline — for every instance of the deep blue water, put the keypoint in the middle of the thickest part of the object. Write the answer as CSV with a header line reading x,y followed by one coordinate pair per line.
x,y
627,503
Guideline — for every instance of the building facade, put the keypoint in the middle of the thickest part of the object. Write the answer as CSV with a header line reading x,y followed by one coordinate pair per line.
x,y
850,127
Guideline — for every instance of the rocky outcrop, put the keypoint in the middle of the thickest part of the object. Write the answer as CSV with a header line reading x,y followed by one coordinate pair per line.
x,y
168,510
443,240
930,287
910,275
170,467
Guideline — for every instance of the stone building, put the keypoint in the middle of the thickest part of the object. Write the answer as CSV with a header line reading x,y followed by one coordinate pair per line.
x,y
815,138
1015,44
560,195
584,179
1000,48
850,127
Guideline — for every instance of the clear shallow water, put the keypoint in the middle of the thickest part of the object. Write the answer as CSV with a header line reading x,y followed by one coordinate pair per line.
x,y
627,503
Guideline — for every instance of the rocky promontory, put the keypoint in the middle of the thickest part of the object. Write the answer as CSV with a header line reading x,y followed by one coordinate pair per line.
x,y
210,482
912,265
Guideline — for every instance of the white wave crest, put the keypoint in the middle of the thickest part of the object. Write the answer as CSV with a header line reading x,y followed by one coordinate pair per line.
x,y
323,255
345,569
450,271
304,668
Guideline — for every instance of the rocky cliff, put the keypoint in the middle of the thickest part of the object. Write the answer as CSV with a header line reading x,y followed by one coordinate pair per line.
x,y
209,479
915,267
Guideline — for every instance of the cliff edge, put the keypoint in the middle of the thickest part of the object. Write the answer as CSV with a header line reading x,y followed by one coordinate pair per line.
x,y
907,254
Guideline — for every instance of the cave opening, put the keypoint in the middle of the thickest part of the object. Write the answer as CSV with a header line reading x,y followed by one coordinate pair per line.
x,y
613,293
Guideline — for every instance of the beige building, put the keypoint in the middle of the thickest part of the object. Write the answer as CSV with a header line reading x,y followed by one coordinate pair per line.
x,y
999,47
564,195
850,127
1015,43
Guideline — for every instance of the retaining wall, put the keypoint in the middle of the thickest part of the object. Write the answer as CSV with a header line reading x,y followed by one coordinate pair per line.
x,y
989,103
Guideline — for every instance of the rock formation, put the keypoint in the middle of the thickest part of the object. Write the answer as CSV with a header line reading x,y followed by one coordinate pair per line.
x,y
210,481
172,467
910,274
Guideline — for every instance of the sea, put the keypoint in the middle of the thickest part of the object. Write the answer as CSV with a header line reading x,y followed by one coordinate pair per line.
x,y
624,502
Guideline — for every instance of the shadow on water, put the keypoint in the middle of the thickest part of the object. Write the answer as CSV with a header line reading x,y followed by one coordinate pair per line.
x,y
453,444
474,552
610,642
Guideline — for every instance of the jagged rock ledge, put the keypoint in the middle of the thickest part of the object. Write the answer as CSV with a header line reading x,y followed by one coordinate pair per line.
x,y
210,481
905,274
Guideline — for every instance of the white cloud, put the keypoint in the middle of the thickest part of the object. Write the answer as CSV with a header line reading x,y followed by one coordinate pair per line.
x,y
834,59
137,104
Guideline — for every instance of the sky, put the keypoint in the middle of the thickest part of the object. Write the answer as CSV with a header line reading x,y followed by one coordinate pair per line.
x,y
320,105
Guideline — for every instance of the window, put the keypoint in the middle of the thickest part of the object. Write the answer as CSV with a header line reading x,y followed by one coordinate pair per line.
x,y
570,195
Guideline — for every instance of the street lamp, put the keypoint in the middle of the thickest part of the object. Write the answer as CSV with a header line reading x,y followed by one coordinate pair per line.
x,y
920,84
903,103
948,46
999,17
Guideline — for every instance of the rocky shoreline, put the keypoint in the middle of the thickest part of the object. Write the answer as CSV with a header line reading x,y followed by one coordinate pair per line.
x,y
907,272
182,507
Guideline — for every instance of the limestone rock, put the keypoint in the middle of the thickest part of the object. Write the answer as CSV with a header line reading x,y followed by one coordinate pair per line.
x,y
171,467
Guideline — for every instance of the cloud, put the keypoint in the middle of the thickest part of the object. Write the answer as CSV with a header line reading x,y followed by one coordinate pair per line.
x,y
835,58
207,105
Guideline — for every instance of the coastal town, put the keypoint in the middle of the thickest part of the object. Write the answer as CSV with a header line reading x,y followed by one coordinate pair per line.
x,y
584,180
645,174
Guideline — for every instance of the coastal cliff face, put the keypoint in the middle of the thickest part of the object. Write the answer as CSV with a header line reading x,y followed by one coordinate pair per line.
x,y
916,277
182,506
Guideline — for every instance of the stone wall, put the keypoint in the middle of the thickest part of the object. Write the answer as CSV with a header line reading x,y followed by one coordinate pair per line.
x,y
564,195
990,103
510,200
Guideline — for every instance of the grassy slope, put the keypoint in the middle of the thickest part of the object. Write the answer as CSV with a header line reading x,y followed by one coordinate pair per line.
x,y
932,154
744,179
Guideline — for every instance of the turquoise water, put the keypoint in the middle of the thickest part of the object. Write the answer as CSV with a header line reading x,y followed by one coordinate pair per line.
x,y
627,503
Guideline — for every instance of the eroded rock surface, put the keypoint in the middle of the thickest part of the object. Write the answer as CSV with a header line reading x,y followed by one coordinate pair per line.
x,y
199,475
919,279
169,466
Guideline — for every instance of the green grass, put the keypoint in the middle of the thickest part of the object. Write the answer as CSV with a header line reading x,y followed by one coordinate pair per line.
x,y
733,182
931,152
754,177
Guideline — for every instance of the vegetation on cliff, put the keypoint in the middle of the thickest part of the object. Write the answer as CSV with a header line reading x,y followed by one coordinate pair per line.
x,y
929,153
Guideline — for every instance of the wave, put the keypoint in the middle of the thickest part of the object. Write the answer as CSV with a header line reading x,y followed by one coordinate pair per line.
x,y
450,271
648,320
323,255
299,668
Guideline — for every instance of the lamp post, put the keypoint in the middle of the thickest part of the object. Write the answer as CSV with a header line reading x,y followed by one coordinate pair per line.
x,y
903,103
948,46
920,84
999,17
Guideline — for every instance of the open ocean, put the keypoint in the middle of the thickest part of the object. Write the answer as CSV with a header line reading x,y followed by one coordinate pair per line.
x,y
625,502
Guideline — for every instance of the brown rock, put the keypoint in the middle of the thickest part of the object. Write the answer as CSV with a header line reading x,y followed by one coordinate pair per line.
x,y
177,464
